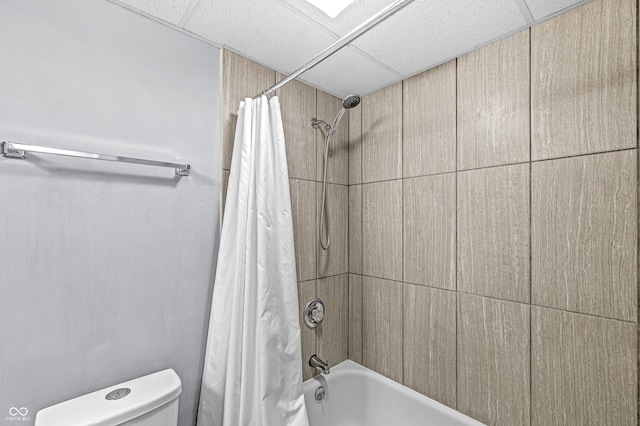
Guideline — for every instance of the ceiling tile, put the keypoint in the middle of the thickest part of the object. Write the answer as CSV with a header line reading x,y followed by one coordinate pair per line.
x,y
543,8
285,34
267,31
169,11
349,71
428,32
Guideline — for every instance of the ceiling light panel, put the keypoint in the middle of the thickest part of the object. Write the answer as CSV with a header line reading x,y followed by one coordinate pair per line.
x,y
349,19
331,7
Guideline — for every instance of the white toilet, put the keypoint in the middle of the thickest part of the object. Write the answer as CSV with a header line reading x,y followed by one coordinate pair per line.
x,y
147,401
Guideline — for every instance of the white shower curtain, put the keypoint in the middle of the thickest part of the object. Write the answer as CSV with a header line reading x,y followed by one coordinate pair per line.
x,y
252,372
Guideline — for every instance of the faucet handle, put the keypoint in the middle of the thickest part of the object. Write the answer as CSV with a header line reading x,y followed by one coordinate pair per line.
x,y
313,313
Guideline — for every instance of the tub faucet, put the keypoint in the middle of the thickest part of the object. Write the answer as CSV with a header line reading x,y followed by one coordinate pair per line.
x,y
319,364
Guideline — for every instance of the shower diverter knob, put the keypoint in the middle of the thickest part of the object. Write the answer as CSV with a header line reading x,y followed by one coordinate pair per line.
x,y
314,313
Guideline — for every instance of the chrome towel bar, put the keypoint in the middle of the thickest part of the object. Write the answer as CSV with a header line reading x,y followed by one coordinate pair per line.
x,y
19,150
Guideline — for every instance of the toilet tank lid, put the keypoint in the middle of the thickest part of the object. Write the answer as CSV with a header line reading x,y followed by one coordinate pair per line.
x,y
94,409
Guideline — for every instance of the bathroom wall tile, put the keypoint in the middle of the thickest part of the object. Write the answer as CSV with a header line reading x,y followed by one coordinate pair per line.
x,y
430,342
225,183
382,134
335,260
584,80
429,122
355,229
298,107
583,234
382,229
382,327
241,78
306,292
338,160
493,232
355,318
493,360
429,208
493,104
355,145
333,332
305,228
583,369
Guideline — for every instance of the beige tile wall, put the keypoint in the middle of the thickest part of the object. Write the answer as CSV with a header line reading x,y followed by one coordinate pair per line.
x,y
429,225
493,232
429,342
583,369
493,360
493,104
583,81
320,274
496,210
583,253
485,220
382,229
429,122
382,332
382,135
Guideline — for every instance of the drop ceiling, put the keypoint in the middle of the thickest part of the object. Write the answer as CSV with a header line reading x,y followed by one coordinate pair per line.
x,y
284,34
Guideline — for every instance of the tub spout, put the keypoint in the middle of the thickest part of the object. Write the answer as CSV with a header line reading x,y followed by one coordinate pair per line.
x,y
319,364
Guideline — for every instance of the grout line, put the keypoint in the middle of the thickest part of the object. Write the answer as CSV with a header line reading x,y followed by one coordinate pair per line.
x,y
551,308
609,151
349,325
328,276
361,313
361,108
311,180
402,333
637,200
402,254
530,234
361,224
502,300
500,165
317,203
455,278
585,314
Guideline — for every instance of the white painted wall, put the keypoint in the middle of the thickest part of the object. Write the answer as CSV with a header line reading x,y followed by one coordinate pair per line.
x,y
106,270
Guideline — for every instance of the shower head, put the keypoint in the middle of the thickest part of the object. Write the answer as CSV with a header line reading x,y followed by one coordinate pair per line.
x,y
351,101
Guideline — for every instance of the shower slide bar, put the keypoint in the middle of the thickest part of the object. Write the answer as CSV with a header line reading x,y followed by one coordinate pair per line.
x,y
19,150
342,42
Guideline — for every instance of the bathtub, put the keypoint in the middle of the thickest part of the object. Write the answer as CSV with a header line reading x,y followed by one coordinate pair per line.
x,y
357,396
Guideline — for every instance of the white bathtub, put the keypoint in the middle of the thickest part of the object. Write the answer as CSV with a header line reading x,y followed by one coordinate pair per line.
x,y
357,396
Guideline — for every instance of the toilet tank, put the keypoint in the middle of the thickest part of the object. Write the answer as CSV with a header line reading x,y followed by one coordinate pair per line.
x,y
146,401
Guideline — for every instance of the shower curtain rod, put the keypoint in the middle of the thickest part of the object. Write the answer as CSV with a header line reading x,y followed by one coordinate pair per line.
x,y
342,42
